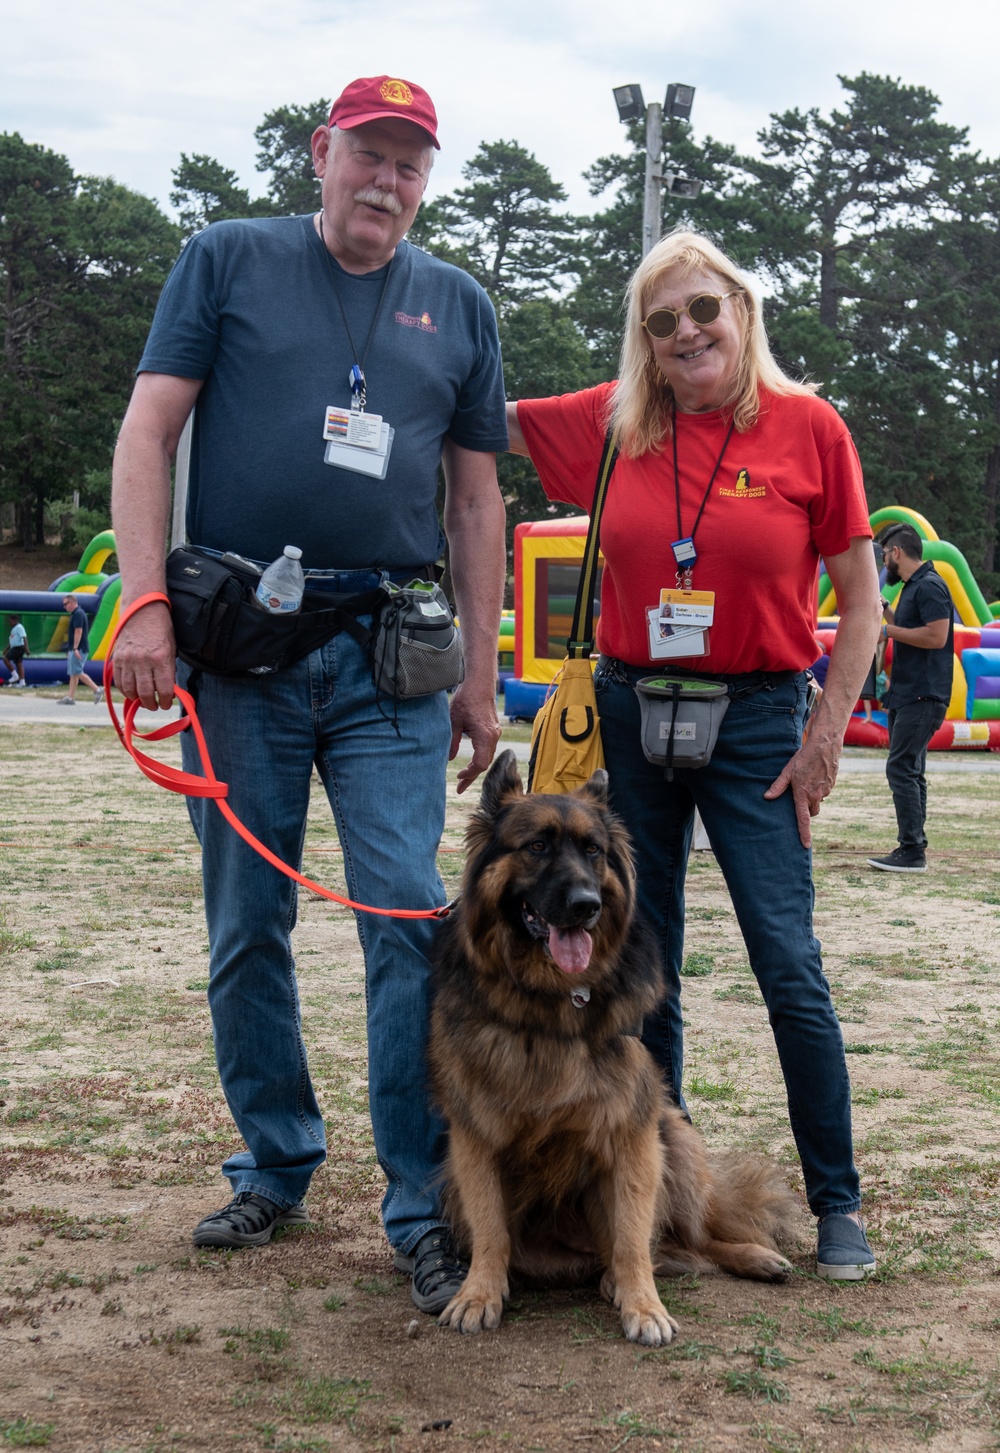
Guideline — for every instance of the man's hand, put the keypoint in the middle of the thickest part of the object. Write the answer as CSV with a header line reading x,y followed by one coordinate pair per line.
x,y
475,717
144,655
812,775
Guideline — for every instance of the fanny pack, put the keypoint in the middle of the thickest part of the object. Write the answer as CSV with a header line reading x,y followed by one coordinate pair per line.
x,y
413,644
416,646
219,628
680,720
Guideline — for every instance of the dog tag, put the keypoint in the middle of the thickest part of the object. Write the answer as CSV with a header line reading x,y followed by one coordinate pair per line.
x,y
580,997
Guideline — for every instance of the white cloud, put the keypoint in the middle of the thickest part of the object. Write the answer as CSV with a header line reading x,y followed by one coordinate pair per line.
x,y
123,89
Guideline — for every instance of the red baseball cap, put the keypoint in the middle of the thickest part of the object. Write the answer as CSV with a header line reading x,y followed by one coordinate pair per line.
x,y
374,97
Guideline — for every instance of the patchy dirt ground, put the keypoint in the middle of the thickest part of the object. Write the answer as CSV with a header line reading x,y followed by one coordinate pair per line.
x,y
117,1337
34,569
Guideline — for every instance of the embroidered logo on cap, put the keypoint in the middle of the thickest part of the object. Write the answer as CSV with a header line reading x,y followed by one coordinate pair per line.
x,y
397,93
743,489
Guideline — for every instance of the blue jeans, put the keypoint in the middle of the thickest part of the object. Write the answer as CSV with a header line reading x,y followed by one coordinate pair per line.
x,y
910,729
387,793
769,876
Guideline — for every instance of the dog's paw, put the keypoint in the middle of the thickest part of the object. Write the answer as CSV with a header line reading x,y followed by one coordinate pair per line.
x,y
772,1266
467,1312
649,1324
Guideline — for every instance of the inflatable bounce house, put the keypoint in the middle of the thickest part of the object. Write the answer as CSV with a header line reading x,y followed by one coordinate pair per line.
x,y
973,719
547,559
46,622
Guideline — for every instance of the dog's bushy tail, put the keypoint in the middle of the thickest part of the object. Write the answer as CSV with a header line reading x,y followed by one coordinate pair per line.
x,y
751,1201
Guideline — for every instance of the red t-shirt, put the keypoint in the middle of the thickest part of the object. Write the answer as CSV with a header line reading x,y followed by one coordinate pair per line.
x,y
788,491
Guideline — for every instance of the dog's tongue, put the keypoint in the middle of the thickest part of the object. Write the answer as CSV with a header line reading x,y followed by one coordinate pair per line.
x,y
570,948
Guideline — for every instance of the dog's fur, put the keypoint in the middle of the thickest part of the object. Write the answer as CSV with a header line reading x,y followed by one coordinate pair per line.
x,y
566,1158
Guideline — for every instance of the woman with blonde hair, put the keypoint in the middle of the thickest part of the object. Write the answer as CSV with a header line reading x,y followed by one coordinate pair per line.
x,y
732,480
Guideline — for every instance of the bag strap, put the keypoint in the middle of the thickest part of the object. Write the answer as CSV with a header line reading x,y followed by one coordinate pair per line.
x,y
581,637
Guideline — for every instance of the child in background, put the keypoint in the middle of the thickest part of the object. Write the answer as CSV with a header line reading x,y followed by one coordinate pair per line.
x,y
16,651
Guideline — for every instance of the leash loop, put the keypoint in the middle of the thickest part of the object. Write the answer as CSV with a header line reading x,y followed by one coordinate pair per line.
x,y
190,785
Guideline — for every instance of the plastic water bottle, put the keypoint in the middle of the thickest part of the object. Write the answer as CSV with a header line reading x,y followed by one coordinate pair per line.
x,y
282,584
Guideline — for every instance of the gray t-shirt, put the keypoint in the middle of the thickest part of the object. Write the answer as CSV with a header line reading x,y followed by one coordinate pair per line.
x,y
252,308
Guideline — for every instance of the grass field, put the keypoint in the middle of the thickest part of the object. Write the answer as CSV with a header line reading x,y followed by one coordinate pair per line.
x,y
117,1337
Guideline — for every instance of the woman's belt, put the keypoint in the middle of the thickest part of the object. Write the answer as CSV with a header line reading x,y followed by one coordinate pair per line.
x,y
740,683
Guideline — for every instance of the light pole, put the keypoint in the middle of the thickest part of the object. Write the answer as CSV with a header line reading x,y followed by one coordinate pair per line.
x,y
677,105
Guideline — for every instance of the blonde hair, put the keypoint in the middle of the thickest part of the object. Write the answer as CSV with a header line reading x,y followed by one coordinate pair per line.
x,y
641,406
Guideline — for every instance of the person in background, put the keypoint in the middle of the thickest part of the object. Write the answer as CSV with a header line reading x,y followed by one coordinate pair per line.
x,y
77,650
17,649
922,629
732,481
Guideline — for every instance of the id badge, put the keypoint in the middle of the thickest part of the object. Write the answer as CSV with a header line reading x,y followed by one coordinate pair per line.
x,y
357,441
688,607
361,459
354,427
668,640
678,626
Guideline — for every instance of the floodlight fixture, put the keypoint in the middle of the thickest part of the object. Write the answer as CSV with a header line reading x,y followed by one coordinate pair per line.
x,y
678,186
631,106
679,101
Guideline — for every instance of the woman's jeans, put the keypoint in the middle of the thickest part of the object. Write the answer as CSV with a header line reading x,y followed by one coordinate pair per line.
x,y
769,876
387,792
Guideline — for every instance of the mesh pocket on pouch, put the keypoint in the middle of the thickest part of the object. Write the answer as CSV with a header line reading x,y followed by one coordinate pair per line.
x,y
417,648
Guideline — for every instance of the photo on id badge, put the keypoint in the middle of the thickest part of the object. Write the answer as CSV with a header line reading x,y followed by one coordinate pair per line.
x,y
678,625
357,441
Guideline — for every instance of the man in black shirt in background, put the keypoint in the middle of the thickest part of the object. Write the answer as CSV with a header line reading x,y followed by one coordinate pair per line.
x,y
922,627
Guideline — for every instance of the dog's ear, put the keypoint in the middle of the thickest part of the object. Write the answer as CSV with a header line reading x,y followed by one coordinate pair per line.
x,y
502,781
597,787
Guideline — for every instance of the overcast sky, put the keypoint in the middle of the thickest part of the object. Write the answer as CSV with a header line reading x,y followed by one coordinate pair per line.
x,y
122,89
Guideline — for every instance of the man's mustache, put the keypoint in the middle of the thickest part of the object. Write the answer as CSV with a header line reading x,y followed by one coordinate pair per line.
x,y
377,198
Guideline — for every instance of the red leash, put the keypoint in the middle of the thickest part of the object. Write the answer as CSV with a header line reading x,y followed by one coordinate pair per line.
x,y
209,785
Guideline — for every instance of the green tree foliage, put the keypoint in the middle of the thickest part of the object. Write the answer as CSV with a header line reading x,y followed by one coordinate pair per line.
x,y
205,191
284,138
82,261
544,353
922,381
868,224
827,189
505,227
874,230
612,239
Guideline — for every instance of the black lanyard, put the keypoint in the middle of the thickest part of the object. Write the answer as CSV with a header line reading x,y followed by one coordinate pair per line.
x,y
708,490
357,376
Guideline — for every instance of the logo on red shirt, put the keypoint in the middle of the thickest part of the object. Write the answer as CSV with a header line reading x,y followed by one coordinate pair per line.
x,y
743,489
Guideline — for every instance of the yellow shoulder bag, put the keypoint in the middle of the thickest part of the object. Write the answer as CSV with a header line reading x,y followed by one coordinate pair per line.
x,y
566,739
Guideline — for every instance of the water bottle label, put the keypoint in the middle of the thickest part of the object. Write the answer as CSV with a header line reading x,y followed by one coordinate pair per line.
x,y
275,603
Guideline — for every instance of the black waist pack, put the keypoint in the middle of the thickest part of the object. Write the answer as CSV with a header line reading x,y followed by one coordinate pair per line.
x,y
219,628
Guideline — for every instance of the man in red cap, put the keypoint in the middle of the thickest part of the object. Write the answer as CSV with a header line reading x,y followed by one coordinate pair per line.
x,y
335,368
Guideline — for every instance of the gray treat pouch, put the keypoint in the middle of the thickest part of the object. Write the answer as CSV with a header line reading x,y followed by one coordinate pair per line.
x,y
680,720
417,648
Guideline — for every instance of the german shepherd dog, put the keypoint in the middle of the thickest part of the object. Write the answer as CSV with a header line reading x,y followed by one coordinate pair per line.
x,y
567,1159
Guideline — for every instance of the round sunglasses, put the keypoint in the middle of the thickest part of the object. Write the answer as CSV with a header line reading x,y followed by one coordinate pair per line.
x,y
705,308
